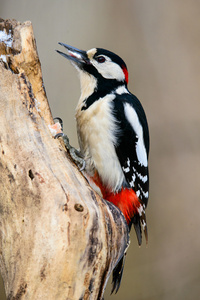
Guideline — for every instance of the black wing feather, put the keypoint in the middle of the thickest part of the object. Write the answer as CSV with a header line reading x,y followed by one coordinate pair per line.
x,y
133,170
125,147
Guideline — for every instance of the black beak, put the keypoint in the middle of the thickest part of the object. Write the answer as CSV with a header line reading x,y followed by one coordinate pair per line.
x,y
79,57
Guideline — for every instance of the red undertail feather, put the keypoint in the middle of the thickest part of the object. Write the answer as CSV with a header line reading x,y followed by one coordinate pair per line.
x,y
126,200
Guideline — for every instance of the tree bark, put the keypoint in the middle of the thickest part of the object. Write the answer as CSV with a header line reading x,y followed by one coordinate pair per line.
x,y
58,238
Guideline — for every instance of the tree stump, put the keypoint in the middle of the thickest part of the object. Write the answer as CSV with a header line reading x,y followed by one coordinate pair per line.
x,y
58,238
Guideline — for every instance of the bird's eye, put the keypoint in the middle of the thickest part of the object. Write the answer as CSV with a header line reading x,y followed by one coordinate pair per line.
x,y
101,59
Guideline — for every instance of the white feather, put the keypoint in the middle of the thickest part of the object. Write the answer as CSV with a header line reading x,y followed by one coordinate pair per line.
x,y
132,117
121,90
109,69
88,84
97,138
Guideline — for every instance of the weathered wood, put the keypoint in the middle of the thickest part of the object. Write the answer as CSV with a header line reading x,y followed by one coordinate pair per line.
x,y
58,238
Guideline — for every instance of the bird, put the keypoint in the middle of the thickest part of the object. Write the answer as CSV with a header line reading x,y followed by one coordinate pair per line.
x,y
113,136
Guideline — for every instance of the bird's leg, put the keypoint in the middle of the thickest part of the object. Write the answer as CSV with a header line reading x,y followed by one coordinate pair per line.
x,y
75,154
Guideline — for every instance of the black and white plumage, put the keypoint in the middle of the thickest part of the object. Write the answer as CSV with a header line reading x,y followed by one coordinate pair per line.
x,y
134,135
113,136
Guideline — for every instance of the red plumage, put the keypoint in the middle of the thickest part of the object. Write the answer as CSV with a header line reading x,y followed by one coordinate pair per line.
x,y
125,73
111,116
126,199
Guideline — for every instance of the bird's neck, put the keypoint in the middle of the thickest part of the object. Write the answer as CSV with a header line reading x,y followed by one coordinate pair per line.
x,y
93,89
88,85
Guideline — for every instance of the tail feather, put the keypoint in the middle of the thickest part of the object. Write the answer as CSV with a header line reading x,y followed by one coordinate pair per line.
x,y
143,222
137,227
139,222
117,275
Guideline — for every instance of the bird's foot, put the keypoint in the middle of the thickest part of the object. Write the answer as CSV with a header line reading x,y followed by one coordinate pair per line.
x,y
75,154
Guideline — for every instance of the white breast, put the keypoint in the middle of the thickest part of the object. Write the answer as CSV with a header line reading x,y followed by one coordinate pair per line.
x,y
97,136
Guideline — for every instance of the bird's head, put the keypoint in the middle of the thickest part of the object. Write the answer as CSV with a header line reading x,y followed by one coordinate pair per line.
x,y
104,66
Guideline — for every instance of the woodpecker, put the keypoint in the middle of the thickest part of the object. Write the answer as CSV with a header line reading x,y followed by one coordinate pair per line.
x,y
113,136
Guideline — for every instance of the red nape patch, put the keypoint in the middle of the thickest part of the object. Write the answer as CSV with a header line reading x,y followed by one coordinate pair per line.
x,y
125,73
126,199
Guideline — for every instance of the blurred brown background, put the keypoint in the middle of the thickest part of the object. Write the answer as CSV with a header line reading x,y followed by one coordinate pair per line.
x,y
160,42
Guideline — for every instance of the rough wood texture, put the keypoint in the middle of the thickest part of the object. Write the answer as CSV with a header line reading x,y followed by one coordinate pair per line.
x,y
58,238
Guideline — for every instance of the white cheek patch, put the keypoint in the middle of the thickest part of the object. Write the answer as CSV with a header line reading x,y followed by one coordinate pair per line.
x,y
109,69
135,123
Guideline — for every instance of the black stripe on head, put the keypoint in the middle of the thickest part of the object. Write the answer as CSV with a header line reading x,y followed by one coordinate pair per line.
x,y
114,57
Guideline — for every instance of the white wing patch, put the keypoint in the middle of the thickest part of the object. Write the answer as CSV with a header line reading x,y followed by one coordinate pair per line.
x,y
132,117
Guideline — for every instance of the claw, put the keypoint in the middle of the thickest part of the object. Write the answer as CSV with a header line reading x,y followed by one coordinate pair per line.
x,y
77,157
74,153
60,134
83,166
